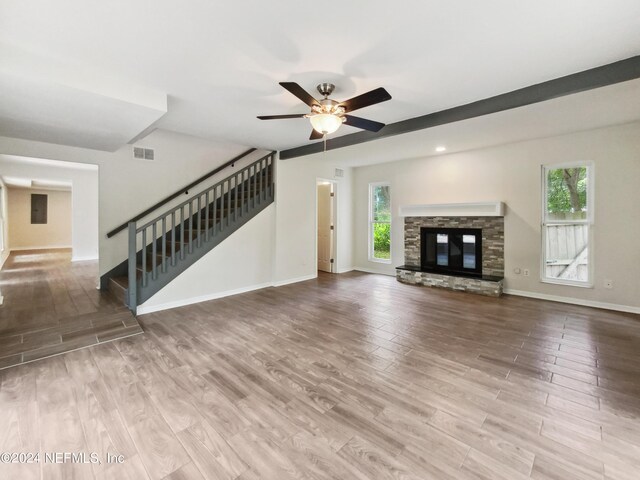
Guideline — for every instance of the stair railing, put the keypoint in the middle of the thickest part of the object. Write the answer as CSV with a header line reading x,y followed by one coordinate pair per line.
x,y
176,194
167,239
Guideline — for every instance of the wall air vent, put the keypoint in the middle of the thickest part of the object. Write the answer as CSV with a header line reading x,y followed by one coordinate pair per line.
x,y
141,153
339,173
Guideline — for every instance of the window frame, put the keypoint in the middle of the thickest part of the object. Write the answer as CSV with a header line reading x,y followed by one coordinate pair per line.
x,y
371,253
588,221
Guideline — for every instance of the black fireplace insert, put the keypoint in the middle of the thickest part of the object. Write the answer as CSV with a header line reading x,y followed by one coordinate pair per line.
x,y
451,250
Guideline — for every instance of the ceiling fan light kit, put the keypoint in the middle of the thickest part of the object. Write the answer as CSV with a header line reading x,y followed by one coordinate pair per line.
x,y
327,115
325,123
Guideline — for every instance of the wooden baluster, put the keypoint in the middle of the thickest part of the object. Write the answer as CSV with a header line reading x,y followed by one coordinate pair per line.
x,y
228,182
236,188
206,215
241,193
154,235
144,257
164,244
182,227
252,185
173,237
270,177
215,208
132,266
199,222
221,206
190,227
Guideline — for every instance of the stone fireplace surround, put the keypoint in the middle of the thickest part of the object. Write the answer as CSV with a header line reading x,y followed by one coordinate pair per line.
x,y
492,225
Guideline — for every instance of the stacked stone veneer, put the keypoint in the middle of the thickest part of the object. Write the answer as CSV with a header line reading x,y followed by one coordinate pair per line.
x,y
464,284
492,253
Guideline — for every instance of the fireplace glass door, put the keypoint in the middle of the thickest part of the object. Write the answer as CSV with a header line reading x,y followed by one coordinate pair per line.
x,y
452,250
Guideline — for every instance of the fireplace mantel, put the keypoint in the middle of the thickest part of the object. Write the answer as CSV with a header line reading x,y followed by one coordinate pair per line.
x,y
479,209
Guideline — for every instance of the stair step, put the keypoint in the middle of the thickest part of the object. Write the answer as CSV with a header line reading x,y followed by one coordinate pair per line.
x,y
118,287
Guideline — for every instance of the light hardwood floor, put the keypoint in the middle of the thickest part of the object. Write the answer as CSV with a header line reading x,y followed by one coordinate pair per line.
x,y
51,305
351,376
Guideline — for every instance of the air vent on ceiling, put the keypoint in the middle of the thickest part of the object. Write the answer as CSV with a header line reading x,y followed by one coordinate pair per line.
x,y
339,173
141,153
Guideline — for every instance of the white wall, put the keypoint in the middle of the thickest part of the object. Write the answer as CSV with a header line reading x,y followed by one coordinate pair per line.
x,y
84,196
512,173
296,233
4,226
240,263
24,235
128,186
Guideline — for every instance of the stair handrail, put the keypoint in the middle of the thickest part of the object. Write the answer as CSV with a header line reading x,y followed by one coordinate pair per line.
x,y
165,200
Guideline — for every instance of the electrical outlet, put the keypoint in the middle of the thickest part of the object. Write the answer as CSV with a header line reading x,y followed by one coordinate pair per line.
x,y
608,283
525,272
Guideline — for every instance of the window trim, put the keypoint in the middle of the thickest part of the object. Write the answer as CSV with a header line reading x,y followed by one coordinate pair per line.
x,y
589,222
370,223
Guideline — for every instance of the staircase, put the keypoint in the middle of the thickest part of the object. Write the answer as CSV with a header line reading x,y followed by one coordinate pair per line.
x,y
163,248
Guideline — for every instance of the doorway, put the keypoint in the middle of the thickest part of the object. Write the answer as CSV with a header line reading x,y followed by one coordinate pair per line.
x,y
326,195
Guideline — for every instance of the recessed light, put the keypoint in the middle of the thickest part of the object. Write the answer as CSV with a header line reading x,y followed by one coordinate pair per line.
x,y
440,149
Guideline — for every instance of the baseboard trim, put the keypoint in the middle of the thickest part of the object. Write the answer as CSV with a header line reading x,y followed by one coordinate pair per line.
x,y
371,270
142,310
574,301
282,283
83,259
57,247
345,270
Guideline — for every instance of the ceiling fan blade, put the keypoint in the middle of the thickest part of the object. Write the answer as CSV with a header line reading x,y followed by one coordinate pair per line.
x,y
300,92
363,123
281,117
366,99
315,135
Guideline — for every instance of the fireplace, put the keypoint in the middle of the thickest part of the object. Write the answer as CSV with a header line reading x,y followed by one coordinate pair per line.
x,y
455,246
451,250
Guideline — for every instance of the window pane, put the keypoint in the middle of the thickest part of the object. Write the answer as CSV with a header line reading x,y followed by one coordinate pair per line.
x,y
469,251
567,252
443,250
567,193
381,204
381,240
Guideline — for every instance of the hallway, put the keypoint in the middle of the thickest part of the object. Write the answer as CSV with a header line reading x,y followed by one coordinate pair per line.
x,y
51,305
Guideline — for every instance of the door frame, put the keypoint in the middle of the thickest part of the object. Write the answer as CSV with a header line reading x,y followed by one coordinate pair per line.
x,y
334,239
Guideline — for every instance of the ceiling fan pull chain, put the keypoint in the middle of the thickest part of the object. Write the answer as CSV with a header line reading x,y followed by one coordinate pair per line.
x,y
324,137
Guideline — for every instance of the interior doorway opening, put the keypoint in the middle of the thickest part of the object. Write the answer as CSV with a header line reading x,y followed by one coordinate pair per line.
x,y
50,204
326,226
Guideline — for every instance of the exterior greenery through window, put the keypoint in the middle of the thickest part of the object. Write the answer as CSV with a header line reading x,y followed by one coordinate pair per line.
x,y
566,224
380,222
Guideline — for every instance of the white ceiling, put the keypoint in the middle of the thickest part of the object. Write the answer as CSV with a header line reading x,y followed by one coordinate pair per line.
x,y
220,62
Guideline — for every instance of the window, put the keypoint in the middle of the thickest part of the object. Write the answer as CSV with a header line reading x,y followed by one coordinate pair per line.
x,y
567,220
379,223
38,208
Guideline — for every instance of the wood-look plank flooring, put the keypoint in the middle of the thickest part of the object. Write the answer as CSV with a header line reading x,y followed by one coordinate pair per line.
x,y
351,376
51,306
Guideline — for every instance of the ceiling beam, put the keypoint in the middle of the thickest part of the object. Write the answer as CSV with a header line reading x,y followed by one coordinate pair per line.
x,y
621,71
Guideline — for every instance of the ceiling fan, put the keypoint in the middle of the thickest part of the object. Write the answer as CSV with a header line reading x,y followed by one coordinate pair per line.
x,y
327,115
